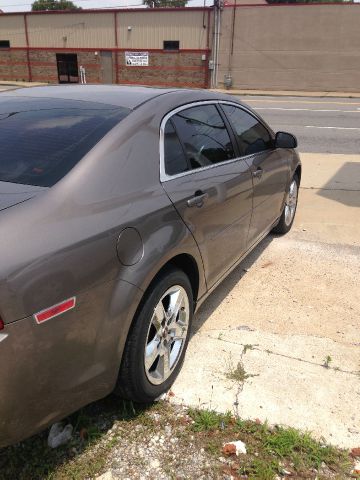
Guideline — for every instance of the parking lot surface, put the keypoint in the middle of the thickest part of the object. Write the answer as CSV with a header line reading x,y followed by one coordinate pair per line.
x,y
279,339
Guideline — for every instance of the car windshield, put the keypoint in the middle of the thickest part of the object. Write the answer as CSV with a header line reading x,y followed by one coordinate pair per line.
x,y
42,140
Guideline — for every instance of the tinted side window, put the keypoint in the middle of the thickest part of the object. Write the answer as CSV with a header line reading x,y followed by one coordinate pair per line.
x,y
252,136
204,136
175,159
39,147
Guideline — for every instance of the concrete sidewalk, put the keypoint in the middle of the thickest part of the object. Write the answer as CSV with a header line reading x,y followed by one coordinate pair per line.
x,y
4,83
285,324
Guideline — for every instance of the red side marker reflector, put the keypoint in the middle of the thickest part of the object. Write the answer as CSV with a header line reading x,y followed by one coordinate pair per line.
x,y
55,310
1,324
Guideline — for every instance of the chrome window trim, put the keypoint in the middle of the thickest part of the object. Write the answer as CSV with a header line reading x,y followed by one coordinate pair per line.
x,y
164,177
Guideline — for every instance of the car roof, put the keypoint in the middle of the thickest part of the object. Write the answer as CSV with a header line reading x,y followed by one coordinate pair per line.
x,y
116,95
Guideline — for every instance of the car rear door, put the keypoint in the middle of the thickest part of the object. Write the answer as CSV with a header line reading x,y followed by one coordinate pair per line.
x,y
209,185
269,167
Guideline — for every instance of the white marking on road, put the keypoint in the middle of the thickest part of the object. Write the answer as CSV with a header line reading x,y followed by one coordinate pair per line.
x,y
335,128
306,109
248,100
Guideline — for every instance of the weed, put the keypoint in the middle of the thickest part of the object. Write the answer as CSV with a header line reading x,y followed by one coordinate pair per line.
x,y
237,373
112,442
247,347
327,361
260,469
213,448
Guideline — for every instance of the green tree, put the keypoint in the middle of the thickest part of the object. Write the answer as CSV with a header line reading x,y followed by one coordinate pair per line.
x,y
165,3
39,5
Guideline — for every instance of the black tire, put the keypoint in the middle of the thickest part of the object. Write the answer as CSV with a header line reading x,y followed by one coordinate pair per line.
x,y
282,226
133,382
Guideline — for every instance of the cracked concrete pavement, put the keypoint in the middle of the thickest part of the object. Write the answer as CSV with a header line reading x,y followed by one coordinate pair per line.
x,y
296,302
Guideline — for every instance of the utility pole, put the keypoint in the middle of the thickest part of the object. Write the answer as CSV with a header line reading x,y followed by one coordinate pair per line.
x,y
218,6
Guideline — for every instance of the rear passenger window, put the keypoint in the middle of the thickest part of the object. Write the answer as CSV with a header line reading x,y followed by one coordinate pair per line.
x,y
252,136
175,159
203,135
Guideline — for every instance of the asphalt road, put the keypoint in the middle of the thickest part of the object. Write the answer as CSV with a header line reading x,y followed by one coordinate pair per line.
x,y
321,125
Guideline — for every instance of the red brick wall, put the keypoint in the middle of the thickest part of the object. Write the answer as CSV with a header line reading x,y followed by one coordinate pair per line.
x,y
13,65
92,65
173,69
43,66
183,68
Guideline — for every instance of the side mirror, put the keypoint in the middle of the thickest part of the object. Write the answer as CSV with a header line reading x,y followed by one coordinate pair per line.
x,y
285,140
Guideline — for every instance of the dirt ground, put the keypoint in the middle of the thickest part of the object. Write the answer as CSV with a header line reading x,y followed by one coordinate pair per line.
x,y
279,338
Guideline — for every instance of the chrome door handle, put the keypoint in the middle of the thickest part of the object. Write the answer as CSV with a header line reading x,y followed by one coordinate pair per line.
x,y
197,200
258,173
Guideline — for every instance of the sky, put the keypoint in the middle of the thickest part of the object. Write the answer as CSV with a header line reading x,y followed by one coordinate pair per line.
x,y
25,5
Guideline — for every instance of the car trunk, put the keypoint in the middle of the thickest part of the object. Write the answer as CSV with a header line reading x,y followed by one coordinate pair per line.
x,y
13,193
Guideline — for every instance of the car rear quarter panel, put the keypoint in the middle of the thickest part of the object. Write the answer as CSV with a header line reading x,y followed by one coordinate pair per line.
x,y
51,370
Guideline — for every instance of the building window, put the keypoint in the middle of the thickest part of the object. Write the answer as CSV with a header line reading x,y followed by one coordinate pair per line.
x,y
171,45
4,43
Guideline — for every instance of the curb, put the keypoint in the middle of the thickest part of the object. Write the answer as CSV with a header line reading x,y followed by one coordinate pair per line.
x,y
21,84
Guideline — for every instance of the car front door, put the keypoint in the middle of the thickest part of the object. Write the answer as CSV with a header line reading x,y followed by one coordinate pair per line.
x,y
209,185
269,167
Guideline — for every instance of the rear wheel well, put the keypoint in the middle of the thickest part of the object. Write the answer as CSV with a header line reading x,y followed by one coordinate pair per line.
x,y
183,262
188,265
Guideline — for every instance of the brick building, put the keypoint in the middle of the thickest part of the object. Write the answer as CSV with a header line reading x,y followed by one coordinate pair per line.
x,y
139,46
251,46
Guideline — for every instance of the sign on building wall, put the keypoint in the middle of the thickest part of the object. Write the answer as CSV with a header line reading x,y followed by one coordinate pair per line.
x,y
137,59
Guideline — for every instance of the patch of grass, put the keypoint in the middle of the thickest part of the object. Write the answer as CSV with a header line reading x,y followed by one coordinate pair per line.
x,y
271,451
249,427
300,448
205,420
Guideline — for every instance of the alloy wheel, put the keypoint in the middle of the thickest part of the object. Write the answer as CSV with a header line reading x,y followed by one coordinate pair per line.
x,y
291,202
166,335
